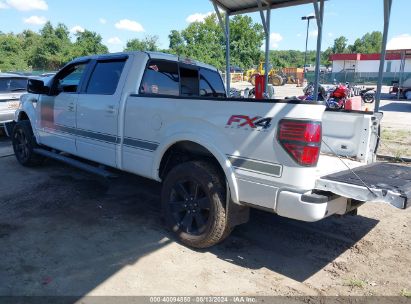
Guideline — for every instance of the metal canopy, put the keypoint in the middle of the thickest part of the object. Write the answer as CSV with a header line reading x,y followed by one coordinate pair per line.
x,y
236,7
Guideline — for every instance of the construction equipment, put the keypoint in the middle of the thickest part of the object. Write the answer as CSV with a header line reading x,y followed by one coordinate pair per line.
x,y
274,77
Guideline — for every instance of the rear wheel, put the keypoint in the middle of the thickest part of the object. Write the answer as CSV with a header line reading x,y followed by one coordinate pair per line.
x,y
193,200
276,80
24,143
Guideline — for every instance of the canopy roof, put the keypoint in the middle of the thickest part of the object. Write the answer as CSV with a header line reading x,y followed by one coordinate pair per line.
x,y
235,7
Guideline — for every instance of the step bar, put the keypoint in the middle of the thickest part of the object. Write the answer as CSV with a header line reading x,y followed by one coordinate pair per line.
x,y
101,171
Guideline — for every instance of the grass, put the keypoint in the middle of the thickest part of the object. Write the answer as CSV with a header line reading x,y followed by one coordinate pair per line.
x,y
356,283
406,293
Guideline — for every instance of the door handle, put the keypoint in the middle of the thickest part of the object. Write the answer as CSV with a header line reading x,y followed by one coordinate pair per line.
x,y
71,107
111,110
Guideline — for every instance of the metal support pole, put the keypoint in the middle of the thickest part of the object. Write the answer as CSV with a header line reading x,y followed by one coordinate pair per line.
x,y
387,13
401,73
226,30
227,51
306,46
267,50
319,13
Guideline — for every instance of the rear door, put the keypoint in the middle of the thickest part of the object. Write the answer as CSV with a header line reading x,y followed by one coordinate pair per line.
x,y
98,111
58,109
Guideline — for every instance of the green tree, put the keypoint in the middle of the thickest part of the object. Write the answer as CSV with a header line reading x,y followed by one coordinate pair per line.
x,y
205,41
369,43
88,43
340,45
149,43
53,48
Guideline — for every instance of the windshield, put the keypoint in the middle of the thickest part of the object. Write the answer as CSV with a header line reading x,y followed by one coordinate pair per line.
x,y
13,84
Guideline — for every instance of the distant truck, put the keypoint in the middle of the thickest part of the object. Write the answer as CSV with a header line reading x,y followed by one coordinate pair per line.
x,y
311,68
169,119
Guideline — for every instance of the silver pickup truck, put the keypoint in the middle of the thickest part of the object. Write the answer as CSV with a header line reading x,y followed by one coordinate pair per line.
x,y
12,86
169,119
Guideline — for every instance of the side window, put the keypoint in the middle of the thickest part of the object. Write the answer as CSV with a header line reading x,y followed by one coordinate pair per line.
x,y
189,82
69,79
211,84
105,77
160,77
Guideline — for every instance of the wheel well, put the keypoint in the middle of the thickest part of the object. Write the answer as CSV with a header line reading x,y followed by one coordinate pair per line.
x,y
185,151
23,116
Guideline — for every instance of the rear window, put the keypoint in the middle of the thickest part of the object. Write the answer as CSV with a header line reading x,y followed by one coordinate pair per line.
x,y
161,77
13,84
105,77
211,84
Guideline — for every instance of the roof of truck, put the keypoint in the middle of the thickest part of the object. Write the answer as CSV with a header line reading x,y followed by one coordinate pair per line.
x,y
152,55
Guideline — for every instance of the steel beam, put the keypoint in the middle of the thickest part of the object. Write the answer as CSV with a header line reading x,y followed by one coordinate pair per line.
x,y
227,52
225,26
267,50
387,14
319,14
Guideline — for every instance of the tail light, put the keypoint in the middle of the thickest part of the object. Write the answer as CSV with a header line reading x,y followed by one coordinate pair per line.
x,y
301,140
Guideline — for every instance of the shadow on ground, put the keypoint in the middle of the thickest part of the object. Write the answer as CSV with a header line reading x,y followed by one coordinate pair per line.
x,y
68,232
397,107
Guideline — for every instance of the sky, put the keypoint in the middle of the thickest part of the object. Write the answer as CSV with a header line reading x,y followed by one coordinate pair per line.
x,y
122,20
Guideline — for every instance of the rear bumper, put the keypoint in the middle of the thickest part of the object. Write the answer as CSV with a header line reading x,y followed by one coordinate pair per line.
x,y
309,207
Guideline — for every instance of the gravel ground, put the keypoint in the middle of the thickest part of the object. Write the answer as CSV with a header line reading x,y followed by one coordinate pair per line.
x,y
65,232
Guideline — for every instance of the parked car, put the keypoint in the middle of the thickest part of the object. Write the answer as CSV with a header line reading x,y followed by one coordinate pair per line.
x,y
170,120
12,86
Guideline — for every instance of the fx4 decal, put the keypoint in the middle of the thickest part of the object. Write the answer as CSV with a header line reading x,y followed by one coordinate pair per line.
x,y
243,121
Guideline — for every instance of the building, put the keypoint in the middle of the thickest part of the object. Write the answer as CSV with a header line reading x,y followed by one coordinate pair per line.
x,y
396,61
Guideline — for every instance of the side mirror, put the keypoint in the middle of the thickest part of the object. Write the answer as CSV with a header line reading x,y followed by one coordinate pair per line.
x,y
37,86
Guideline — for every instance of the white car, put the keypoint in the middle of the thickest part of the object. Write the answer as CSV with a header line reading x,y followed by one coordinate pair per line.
x,y
168,119
12,86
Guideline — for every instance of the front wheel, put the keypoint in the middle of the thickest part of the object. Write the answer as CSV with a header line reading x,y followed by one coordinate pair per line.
x,y
193,201
24,142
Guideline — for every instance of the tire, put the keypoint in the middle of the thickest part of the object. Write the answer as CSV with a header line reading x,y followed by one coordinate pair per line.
x,y
193,202
368,98
24,143
252,79
276,80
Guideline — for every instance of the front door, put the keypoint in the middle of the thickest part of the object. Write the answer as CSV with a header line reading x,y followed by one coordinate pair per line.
x,y
58,109
98,112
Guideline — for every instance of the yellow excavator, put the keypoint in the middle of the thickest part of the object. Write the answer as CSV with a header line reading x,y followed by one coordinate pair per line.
x,y
275,78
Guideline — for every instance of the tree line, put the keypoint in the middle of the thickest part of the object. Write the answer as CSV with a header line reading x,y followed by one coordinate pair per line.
x,y
51,47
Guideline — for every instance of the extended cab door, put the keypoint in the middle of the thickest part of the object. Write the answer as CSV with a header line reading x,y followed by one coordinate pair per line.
x,y
58,109
98,110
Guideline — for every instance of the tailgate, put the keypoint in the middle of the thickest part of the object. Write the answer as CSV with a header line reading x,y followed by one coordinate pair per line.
x,y
378,182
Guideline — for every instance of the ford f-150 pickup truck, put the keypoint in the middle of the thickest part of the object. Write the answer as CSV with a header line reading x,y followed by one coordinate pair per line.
x,y
169,119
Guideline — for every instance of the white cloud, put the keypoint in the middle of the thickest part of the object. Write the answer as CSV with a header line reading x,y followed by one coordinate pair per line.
x,y
299,35
114,40
313,33
35,20
129,25
330,34
28,5
102,20
399,42
197,17
3,5
275,38
76,29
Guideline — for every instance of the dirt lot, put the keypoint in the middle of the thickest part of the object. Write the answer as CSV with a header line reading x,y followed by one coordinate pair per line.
x,y
65,232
